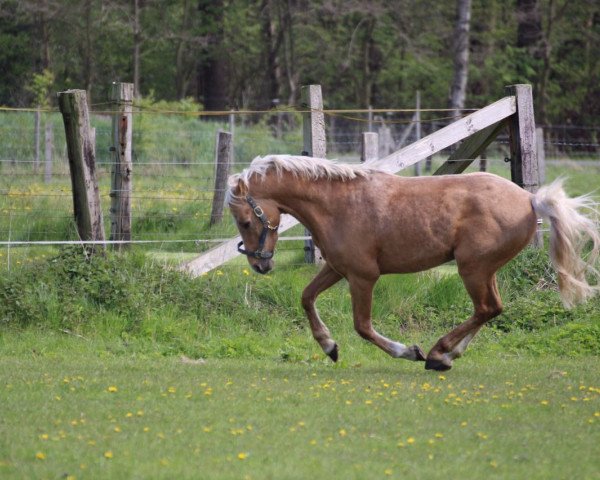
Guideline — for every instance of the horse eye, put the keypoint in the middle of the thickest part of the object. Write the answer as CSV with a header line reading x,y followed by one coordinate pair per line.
x,y
245,225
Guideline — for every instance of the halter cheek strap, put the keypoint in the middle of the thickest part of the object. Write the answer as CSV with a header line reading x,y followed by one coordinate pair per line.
x,y
260,214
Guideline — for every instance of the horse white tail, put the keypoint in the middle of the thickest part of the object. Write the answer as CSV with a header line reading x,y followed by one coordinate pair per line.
x,y
570,233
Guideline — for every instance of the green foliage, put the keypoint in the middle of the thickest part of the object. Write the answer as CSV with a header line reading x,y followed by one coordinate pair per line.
x,y
41,88
246,54
236,314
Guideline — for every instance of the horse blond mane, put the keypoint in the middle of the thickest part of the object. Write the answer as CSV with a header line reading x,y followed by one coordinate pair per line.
x,y
306,167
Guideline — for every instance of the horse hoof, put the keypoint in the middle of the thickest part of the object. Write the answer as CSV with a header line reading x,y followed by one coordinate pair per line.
x,y
334,353
439,365
418,353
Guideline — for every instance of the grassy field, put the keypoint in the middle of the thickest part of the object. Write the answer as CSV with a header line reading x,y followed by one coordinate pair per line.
x,y
79,415
139,372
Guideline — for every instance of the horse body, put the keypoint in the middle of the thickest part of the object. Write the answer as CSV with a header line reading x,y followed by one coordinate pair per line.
x,y
368,223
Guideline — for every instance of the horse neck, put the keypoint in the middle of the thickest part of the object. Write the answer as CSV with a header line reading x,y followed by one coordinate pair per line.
x,y
304,199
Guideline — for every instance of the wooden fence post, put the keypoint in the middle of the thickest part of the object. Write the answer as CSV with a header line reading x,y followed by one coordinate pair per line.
x,y
541,154
369,147
222,162
122,167
418,128
49,140
523,144
37,134
82,164
315,145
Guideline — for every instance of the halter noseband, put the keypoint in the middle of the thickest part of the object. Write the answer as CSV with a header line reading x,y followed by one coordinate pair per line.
x,y
259,212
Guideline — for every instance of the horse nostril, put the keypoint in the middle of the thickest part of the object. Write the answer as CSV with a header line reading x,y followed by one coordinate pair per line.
x,y
262,268
258,268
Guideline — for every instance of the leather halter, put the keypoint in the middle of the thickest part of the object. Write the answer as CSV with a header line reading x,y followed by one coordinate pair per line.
x,y
260,214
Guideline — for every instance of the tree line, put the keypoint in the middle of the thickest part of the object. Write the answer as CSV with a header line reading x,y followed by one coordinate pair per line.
x,y
256,54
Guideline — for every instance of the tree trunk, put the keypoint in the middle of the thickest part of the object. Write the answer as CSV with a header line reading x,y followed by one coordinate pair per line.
x,y
88,73
137,40
182,69
213,73
458,90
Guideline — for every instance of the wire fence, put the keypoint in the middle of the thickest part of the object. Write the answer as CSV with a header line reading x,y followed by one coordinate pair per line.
x,y
174,172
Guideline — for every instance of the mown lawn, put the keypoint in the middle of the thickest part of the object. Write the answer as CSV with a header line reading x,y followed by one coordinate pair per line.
x,y
71,414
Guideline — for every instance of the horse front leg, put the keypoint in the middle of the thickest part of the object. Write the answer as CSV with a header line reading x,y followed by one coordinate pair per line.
x,y
486,300
326,278
361,291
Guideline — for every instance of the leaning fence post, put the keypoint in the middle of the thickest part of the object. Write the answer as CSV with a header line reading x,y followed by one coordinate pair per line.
x,y
82,164
369,147
315,145
222,162
523,144
122,167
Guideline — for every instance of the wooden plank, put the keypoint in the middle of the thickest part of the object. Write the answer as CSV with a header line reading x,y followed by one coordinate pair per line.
x,y
226,251
122,167
470,149
82,164
446,136
223,163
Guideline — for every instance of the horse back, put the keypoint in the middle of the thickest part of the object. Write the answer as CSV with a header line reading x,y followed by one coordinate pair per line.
x,y
414,223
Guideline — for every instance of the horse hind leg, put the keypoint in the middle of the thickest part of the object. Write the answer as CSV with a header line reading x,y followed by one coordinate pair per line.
x,y
483,291
326,278
361,291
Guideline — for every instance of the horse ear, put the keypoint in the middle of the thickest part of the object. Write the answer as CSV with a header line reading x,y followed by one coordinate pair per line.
x,y
239,188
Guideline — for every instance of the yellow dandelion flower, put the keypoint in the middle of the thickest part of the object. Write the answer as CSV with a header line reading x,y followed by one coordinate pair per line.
x,y
544,402
494,464
44,436
129,415
368,402
439,435
108,454
112,389
172,390
146,429
410,440
140,413
245,271
343,433
40,456
388,471
117,429
242,456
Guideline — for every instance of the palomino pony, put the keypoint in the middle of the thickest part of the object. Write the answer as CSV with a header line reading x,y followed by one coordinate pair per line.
x,y
368,223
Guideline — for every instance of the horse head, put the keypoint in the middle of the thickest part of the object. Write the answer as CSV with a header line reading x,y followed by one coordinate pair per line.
x,y
257,220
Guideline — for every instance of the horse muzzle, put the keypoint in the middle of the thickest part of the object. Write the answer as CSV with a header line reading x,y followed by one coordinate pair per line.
x,y
262,266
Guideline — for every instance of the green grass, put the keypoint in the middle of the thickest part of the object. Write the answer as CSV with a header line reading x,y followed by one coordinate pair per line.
x,y
266,403
76,414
